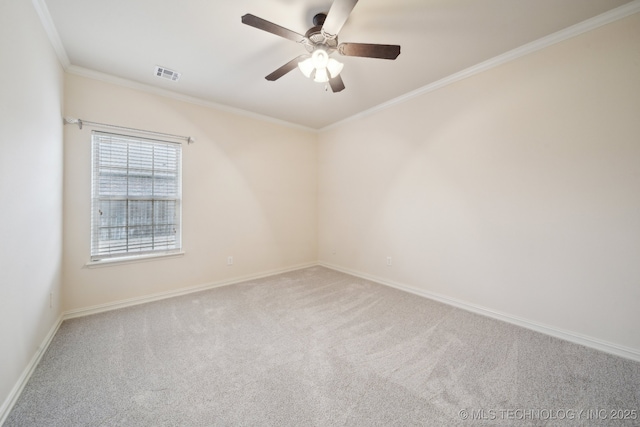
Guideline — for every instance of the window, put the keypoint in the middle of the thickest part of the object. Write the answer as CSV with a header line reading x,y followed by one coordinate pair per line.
x,y
136,196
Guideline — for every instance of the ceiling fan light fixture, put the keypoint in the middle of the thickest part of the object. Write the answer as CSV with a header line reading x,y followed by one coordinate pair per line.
x,y
320,67
321,40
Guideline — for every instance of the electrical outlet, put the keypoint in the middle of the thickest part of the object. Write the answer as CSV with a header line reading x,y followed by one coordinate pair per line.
x,y
230,260
50,299
389,261
333,251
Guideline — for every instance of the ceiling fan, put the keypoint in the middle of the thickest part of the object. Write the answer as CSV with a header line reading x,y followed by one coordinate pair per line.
x,y
321,41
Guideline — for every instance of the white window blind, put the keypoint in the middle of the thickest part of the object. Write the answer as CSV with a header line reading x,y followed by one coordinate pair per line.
x,y
136,196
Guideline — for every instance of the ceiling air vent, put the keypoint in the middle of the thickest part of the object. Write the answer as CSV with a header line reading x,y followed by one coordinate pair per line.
x,y
165,73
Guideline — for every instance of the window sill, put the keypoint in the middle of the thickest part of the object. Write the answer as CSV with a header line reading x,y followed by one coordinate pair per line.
x,y
132,259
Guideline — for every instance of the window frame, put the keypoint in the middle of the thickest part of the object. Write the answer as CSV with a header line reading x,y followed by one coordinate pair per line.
x,y
130,253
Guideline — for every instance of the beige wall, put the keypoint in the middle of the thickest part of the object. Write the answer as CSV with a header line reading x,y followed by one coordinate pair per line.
x,y
30,190
516,190
249,191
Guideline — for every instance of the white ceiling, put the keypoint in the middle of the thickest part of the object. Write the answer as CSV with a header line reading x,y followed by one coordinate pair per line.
x,y
223,61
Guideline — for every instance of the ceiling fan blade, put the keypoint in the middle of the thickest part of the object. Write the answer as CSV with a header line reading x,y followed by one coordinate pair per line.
x,y
381,51
336,84
337,16
272,28
285,68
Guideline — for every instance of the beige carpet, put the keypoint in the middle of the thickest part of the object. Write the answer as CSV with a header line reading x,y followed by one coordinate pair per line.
x,y
316,347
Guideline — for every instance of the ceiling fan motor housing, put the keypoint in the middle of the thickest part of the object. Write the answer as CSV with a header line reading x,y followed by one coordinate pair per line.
x,y
317,38
318,19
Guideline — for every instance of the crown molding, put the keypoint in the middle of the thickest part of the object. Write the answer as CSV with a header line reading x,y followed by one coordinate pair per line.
x,y
50,29
108,78
557,37
47,23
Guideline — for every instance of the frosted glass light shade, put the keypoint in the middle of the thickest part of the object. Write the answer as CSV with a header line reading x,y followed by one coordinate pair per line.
x,y
306,67
321,75
334,67
320,58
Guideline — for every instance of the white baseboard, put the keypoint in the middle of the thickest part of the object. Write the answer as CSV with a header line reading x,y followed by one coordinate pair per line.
x,y
178,292
12,398
607,347
597,344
